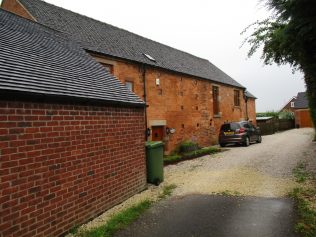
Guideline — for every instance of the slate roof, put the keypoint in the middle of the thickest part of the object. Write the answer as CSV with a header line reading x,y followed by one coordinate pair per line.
x,y
301,101
36,59
106,39
249,95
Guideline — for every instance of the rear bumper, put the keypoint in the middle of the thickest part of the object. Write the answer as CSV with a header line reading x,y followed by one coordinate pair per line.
x,y
232,139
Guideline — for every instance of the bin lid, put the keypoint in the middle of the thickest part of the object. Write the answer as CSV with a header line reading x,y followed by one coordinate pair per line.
x,y
154,144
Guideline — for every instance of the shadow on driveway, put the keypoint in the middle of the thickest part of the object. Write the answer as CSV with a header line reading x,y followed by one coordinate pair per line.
x,y
217,216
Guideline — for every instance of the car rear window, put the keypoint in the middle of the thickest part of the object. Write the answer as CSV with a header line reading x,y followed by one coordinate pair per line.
x,y
230,126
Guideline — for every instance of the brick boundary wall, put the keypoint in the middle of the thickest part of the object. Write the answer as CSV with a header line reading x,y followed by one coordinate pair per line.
x,y
62,165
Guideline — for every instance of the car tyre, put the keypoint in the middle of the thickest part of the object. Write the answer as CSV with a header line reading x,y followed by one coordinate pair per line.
x,y
222,144
259,139
247,141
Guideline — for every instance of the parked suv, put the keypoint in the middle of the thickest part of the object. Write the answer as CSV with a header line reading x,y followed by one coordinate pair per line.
x,y
239,133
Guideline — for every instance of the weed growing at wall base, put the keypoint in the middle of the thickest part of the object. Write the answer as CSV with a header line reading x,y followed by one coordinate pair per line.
x,y
118,221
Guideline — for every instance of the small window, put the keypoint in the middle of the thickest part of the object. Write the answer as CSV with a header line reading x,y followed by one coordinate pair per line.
x,y
292,104
236,97
129,85
215,92
108,67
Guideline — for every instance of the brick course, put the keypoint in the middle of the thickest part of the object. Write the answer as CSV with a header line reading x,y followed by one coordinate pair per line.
x,y
63,164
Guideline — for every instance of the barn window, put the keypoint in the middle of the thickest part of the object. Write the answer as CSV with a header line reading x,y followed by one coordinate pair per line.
x,y
215,92
236,97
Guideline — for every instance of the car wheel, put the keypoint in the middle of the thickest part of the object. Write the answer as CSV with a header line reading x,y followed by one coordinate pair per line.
x,y
247,141
259,139
222,144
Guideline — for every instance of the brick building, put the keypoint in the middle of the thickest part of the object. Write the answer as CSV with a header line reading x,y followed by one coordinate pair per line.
x,y
71,135
184,93
302,114
289,107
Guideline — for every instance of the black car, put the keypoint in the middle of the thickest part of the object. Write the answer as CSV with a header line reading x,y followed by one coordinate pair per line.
x,y
239,133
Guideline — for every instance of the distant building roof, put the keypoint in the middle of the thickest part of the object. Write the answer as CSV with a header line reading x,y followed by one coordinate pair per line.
x,y
35,59
288,103
301,101
96,36
249,95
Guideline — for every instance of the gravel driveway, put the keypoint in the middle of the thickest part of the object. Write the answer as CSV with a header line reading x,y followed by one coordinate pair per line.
x,y
261,170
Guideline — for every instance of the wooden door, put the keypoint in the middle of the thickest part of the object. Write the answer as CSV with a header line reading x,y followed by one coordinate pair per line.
x,y
157,133
305,119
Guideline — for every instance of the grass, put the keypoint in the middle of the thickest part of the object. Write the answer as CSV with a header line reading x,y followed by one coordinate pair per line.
x,y
174,158
118,221
300,173
305,198
124,218
167,191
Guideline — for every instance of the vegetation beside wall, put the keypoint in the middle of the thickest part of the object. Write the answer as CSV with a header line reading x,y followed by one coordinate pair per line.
x,y
189,150
305,198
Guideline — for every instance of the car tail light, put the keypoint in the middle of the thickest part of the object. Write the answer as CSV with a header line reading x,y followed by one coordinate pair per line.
x,y
240,130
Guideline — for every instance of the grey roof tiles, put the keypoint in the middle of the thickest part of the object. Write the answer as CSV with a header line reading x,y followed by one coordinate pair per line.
x,y
301,101
106,39
39,60
249,95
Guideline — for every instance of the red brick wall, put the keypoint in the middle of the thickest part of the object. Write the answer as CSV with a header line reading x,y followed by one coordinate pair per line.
x,y
61,165
182,100
251,106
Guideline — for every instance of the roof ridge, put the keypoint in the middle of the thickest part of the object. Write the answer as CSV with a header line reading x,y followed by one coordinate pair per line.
x,y
116,27
101,37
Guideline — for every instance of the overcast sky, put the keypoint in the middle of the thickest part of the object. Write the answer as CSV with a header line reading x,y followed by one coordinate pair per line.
x,y
206,28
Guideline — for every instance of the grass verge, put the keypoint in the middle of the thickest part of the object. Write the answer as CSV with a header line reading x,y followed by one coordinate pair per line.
x,y
300,173
175,158
118,221
124,218
305,198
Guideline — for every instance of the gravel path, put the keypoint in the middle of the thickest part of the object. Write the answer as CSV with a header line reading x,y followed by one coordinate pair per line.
x,y
262,170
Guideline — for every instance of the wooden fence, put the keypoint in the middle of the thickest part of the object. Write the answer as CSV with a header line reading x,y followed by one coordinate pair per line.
x,y
274,125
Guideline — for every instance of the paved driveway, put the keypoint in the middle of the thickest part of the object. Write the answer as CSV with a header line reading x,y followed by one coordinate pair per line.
x,y
216,216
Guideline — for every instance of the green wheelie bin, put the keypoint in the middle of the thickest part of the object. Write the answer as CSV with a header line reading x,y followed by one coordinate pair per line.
x,y
154,162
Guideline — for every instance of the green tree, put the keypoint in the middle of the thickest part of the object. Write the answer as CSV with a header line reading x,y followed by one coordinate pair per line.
x,y
289,36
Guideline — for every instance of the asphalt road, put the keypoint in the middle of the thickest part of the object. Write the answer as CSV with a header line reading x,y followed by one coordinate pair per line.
x,y
216,216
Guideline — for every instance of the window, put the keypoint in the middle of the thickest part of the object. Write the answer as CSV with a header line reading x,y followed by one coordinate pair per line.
x,y
129,85
108,67
236,97
292,104
215,92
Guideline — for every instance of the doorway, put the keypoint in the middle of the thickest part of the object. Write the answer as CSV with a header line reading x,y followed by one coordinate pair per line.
x,y
157,133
